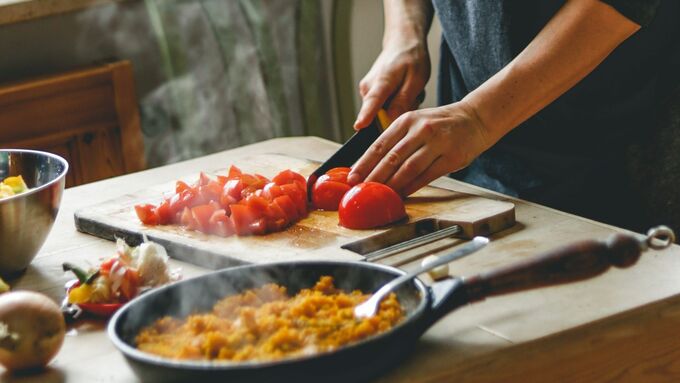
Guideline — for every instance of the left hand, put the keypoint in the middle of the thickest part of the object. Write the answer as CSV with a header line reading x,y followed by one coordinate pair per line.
x,y
421,146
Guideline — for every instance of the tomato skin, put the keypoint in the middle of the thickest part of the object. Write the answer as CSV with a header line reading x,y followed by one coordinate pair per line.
x,y
147,214
370,204
201,215
288,177
234,172
329,189
181,186
164,213
327,193
298,196
233,189
242,217
288,206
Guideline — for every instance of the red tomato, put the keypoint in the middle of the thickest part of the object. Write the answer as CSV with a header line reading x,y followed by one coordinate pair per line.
x,y
203,179
298,197
181,186
147,214
220,224
288,206
233,189
201,215
327,193
288,177
271,191
234,172
370,204
242,217
210,191
164,213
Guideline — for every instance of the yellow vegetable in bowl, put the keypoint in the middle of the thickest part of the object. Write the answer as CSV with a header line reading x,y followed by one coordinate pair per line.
x,y
12,185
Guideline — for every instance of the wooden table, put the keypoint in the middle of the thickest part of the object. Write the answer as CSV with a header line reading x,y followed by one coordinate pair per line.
x,y
621,326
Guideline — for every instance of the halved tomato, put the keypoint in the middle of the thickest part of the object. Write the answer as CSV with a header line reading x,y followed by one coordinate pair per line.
x,y
370,204
327,193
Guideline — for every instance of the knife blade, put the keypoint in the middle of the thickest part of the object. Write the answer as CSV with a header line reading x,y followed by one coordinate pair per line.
x,y
351,150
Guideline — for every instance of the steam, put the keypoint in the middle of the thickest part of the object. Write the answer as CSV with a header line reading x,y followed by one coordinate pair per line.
x,y
211,75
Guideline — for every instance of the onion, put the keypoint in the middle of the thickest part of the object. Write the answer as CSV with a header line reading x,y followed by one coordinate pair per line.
x,y
31,330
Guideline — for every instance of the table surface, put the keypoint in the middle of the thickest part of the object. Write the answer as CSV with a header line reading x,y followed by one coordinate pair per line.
x,y
618,326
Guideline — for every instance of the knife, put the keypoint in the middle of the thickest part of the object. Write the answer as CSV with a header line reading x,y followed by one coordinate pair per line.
x,y
351,150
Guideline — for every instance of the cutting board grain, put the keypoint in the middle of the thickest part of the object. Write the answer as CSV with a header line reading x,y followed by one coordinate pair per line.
x,y
318,236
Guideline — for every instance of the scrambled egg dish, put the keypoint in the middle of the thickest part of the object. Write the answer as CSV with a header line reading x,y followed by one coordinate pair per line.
x,y
266,324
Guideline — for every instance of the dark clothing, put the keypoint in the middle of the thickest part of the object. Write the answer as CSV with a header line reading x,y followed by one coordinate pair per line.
x,y
570,155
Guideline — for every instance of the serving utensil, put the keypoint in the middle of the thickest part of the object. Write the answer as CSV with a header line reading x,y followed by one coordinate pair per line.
x,y
370,306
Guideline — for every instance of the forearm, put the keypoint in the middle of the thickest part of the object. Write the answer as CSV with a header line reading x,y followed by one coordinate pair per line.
x,y
578,38
407,19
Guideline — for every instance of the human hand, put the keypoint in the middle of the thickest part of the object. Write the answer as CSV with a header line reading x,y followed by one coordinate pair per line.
x,y
399,74
421,146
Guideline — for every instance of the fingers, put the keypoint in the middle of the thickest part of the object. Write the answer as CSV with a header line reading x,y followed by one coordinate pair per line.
x,y
412,167
374,98
405,99
375,153
438,168
394,159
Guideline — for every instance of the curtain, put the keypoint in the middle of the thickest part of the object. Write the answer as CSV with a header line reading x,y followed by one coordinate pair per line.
x,y
239,71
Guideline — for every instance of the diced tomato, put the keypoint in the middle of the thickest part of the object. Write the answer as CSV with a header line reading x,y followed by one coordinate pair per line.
x,y
233,189
288,206
203,179
259,205
234,172
164,213
202,214
220,224
262,178
271,191
259,226
210,191
147,214
338,174
287,177
186,198
187,219
277,219
298,197
242,217
181,186
222,180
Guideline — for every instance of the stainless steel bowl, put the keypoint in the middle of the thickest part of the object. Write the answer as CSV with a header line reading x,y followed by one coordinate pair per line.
x,y
26,218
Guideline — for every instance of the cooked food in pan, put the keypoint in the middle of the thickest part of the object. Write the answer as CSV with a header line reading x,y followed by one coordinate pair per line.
x,y
265,324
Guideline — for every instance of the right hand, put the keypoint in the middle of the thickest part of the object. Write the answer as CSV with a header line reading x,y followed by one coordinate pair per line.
x,y
399,74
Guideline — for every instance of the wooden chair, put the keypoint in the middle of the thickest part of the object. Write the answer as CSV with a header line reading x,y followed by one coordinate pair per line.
x,y
88,116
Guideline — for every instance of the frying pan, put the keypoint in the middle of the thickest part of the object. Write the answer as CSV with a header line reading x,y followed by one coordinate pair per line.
x,y
373,356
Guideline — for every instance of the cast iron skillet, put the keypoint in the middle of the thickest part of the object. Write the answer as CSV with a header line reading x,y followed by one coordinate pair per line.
x,y
366,359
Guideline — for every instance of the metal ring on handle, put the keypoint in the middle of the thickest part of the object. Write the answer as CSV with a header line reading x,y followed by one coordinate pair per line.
x,y
660,237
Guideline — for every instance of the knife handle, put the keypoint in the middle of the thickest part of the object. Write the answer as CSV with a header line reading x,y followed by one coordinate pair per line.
x,y
384,120
571,263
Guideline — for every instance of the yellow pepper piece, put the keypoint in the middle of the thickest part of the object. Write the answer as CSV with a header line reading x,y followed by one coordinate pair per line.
x,y
80,294
4,287
5,191
16,183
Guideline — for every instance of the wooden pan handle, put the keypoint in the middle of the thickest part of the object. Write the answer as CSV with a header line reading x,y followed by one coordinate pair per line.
x,y
575,262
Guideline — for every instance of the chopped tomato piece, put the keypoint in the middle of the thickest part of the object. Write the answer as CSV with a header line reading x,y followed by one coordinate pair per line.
x,y
287,177
271,191
164,213
257,204
242,217
202,214
220,224
147,214
234,172
298,197
203,179
181,186
288,206
234,188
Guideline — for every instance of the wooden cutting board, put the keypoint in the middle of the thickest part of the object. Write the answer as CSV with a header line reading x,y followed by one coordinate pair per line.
x,y
318,236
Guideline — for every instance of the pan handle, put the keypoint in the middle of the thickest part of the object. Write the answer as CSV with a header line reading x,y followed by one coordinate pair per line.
x,y
571,263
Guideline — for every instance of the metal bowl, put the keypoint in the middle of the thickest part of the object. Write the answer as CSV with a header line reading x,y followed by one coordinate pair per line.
x,y
26,218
